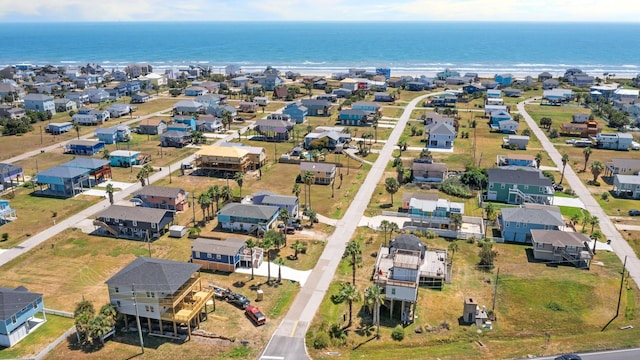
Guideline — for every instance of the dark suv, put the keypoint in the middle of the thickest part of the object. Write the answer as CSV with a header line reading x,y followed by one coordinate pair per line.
x,y
238,300
634,212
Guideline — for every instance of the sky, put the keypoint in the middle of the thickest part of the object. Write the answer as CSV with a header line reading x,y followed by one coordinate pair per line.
x,y
319,10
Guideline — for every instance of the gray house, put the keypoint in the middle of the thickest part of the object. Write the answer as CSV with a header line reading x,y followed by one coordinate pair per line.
x,y
174,138
628,185
561,247
138,223
428,172
441,135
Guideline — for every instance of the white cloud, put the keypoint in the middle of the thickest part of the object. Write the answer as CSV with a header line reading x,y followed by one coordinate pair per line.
x,y
320,10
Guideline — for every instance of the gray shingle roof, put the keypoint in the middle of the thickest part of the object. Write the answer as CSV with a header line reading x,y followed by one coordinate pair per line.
x,y
86,163
230,246
14,300
261,212
154,275
161,191
134,213
316,166
85,142
63,172
280,200
558,238
441,128
626,163
522,176
544,215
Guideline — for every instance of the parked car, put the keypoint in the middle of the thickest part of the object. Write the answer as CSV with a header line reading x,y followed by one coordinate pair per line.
x,y
221,293
238,300
569,357
634,212
288,230
255,315
570,141
558,187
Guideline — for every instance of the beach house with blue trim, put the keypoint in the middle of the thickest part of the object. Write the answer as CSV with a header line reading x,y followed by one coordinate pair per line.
x,y
40,103
7,213
125,158
224,255
112,135
18,310
188,120
63,181
247,217
516,223
296,111
517,185
59,128
503,79
84,147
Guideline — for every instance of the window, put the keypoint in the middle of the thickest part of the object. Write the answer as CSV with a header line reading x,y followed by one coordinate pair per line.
x,y
151,309
218,256
118,303
151,294
35,304
13,319
526,187
501,186
134,223
517,225
393,291
146,308
107,219
117,289
153,225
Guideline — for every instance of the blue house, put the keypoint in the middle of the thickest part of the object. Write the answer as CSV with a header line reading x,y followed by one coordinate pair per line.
x,y
341,92
8,172
40,103
296,111
195,91
515,159
98,169
353,117
188,120
503,79
415,86
224,255
59,128
281,201
370,106
114,134
63,181
497,116
444,75
473,88
18,310
178,127
83,147
384,71
317,107
125,158
247,217
516,223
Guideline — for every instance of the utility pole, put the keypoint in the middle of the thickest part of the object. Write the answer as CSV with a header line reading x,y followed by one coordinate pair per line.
x,y
149,243
40,134
169,173
135,305
193,207
624,266
495,290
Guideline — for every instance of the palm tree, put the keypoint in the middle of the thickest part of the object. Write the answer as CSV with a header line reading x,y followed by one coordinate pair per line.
x,y
565,160
250,244
142,176
267,244
205,201
298,247
373,298
313,217
490,209
596,169
391,186
308,179
239,178
227,118
214,194
453,247
575,218
587,153
354,252
148,169
374,123
284,217
105,154
296,192
426,154
280,262
349,293
385,225
593,221
110,191
538,159
393,227
76,127
225,193
456,219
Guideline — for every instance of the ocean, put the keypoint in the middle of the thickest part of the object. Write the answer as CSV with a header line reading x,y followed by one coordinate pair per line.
x,y
411,48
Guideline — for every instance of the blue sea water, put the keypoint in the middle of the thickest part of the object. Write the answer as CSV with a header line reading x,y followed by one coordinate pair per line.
x,y
327,47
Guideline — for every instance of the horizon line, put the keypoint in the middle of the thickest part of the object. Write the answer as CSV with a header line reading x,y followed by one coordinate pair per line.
x,y
326,21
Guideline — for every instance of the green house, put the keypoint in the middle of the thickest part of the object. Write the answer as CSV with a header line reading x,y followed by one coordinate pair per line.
x,y
517,185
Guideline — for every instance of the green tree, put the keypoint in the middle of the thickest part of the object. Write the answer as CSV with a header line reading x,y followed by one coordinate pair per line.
x,y
284,216
391,186
456,220
109,190
308,180
350,294
385,225
271,240
565,160
205,202
538,159
76,127
105,154
373,298
239,178
296,191
487,255
298,247
587,154
214,194
353,250
225,193
490,210
593,221
83,314
453,248
250,244
374,123
596,169
280,262
546,122
313,217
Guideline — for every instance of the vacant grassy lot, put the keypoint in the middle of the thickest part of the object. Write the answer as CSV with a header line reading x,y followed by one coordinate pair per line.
x,y
575,305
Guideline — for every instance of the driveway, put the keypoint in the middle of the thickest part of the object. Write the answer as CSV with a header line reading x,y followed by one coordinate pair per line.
x,y
565,201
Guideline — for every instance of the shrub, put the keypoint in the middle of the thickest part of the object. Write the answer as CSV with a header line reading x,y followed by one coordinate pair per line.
x,y
454,187
398,333
569,192
5,236
554,306
321,340
554,133
471,240
605,196
550,175
430,234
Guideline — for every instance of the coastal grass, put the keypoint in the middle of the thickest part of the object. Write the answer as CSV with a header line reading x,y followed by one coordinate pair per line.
x,y
582,302
38,339
392,111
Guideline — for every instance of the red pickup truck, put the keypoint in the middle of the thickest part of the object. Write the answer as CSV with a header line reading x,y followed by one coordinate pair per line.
x,y
255,315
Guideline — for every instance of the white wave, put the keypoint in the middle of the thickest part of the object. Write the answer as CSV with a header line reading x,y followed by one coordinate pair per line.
x,y
307,62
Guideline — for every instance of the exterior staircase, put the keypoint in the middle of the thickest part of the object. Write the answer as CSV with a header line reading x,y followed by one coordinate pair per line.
x,y
103,225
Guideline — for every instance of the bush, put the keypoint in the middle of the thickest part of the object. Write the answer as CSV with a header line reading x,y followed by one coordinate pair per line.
x,y
569,192
454,187
605,196
398,333
550,175
554,134
5,237
321,340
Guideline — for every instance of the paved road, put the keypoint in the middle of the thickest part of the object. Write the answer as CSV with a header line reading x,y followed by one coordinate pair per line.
x,y
287,343
623,354
618,243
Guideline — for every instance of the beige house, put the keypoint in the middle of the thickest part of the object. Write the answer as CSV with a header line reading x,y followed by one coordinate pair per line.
x,y
228,159
323,173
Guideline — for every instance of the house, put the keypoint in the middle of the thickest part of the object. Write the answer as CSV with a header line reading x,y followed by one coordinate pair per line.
x,y
7,213
169,293
496,117
281,117
516,160
12,112
517,185
224,255
288,202
40,103
220,110
544,76
162,197
59,128
516,223
414,86
473,88
136,70
442,100
261,100
209,123
327,138
354,84
591,128
133,222
428,172
247,106
623,166
354,117
83,147
97,169
188,120
440,135
580,80
443,75
240,81
140,98
188,107
63,181
434,117
154,126
65,105
508,127
371,106
557,96
296,111
561,247
341,92
434,213
503,79
323,173
281,92
617,141
223,159
257,154
100,115
247,218
628,185
195,91
98,96
518,142
18,310
86,119
550,84
117,110
404,266
274,130
511,92
579,118
383,97
494,94
179,127
126,158
8,172
114,134
317,107
174,138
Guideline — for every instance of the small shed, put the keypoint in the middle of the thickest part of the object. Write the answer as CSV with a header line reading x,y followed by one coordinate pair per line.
x,y
177,231
469,312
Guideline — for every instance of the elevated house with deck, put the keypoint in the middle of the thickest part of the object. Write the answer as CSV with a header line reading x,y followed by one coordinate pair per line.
x,y
628,185
247,218
223,159
225,255
84,147
517,223
559,247
133,222
623,166
517,185
323,173
162,197
7,213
